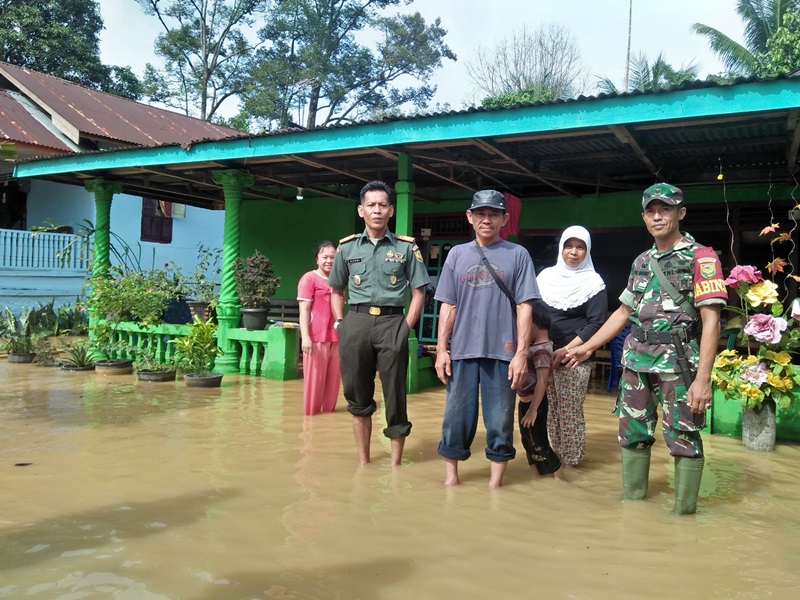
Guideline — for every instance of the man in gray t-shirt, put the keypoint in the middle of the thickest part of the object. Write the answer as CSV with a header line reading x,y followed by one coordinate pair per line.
x,y
489,346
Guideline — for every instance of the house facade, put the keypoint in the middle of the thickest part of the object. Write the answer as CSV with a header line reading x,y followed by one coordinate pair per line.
x,y
46,116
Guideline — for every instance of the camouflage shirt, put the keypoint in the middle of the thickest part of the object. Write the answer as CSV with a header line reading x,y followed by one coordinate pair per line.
x,y
654,310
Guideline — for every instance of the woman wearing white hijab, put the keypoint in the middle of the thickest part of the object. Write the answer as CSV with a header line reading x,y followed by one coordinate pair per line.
x,y
578,304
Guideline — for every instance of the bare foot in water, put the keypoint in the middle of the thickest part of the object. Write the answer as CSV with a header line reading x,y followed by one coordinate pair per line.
x,y
451,472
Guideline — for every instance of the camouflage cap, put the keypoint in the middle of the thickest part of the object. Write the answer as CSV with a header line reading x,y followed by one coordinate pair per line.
x,y
488,199
668,194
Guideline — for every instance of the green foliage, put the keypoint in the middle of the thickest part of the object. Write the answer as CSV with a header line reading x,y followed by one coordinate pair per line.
x,y
47,353
530,96
17,331
205,51
762,18
201,284
195,353
79,355
61,38
122,294
312,64
255,279
782,55
659,75
147,357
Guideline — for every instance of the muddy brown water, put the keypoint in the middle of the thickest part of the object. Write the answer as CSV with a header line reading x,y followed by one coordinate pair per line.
x,y
128,490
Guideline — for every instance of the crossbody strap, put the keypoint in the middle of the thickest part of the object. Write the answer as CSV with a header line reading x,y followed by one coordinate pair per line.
x,y
497,279
676,296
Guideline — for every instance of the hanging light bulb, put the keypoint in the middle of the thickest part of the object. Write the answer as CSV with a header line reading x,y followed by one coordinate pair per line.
x,y
299,194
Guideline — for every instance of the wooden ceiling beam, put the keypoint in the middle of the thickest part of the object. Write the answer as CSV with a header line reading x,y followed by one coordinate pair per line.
x,y
626,137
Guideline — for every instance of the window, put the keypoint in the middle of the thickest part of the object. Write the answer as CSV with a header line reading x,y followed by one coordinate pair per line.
x,y
156,221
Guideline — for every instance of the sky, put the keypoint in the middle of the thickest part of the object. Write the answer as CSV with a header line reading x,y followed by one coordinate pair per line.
x,y
600,29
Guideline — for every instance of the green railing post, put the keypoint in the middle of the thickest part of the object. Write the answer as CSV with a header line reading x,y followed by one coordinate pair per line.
x,y
233,182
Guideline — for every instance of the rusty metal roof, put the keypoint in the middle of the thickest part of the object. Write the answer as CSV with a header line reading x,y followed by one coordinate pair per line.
x,y
19,125
608,143
106,116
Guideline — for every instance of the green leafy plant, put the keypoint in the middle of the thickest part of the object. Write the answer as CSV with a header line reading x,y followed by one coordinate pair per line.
x,y
195,352
148,359
47,353
201,284
79,355
17,331
255,279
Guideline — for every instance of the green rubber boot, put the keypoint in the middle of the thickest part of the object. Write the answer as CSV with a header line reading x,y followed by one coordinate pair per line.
x,y
635,470
688,472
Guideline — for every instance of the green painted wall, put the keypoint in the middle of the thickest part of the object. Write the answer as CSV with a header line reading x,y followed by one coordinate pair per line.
x,y
289,233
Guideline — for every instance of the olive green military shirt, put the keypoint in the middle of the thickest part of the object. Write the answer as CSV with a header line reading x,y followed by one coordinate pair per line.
x,y
378,274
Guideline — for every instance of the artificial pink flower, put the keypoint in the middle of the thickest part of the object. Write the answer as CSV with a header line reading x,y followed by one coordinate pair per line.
x,y
765,328
755,373
746,273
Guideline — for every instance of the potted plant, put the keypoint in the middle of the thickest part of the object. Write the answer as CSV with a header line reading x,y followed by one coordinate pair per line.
x,y
18,336
124,294
149,366
79,357
256,283
47,353
200,288
195,354
760,374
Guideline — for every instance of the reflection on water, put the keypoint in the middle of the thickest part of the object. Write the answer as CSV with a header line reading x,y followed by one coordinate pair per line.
x,y
151,491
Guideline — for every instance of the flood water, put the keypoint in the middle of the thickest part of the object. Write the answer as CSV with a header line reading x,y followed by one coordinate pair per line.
x,y
111,488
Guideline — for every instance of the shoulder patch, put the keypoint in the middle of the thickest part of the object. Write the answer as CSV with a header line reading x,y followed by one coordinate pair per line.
x,y
349,238
406,238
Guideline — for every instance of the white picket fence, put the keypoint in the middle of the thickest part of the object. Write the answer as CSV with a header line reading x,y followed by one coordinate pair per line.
x,y
38,250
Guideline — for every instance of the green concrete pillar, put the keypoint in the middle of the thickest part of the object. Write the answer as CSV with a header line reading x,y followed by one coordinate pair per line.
x,y
404,211
233,182
405,189
103,193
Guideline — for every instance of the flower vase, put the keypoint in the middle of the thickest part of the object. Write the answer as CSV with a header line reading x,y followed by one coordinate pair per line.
x,y
758,427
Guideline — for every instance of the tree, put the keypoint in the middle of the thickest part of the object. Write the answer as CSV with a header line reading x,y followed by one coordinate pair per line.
x,y
762,19
653,77
205,52
782,55
313,69
61,38
543,65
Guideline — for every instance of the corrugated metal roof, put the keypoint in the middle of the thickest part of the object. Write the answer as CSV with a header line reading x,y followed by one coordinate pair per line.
x,y
18,125
104,115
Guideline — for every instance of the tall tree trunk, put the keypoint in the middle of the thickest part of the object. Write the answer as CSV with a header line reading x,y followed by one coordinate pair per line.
x,y
313,102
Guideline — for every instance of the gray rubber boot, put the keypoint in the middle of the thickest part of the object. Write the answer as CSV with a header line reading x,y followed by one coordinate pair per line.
x,y
635,471
688,472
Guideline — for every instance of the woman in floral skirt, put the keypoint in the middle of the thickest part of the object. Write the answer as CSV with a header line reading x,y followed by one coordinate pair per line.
x,y
576,297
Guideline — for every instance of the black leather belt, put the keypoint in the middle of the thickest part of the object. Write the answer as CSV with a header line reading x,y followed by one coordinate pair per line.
x,y
376,311
648,336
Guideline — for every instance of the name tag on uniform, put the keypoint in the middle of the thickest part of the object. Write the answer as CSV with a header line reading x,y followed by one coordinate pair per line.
x,y
350,261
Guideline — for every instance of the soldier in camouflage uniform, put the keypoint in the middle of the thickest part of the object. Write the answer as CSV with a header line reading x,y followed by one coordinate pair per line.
x,y
663,361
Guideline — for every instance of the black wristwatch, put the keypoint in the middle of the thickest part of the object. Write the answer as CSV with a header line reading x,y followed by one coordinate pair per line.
x,y
337,323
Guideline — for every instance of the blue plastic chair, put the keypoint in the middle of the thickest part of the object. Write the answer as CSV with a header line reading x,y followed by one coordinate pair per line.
x,y
615,345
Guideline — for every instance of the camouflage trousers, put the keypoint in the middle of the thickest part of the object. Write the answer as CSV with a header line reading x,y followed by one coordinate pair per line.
x,y
639,396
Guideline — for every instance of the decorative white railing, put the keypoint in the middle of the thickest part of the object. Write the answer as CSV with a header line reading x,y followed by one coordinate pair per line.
x,y
39,250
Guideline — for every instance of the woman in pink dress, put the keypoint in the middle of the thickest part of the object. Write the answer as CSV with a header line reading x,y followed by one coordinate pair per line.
x,y
320,342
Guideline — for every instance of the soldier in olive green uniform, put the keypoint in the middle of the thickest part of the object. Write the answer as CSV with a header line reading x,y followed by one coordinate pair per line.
x,y
663,361
378,269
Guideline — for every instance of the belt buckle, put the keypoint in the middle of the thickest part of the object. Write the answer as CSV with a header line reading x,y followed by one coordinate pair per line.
x,y
375,310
